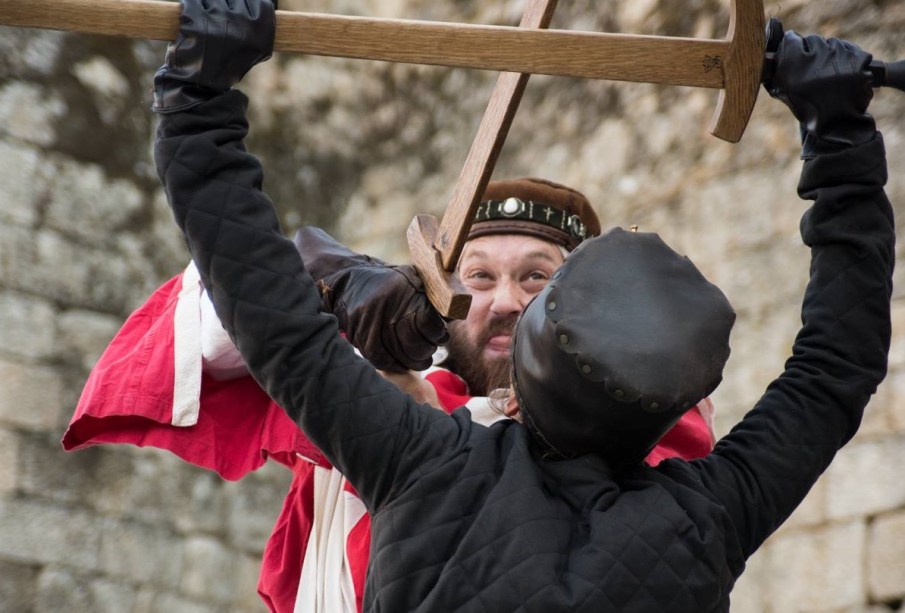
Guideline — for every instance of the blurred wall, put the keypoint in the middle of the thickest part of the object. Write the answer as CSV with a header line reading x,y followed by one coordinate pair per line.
x,y
359,148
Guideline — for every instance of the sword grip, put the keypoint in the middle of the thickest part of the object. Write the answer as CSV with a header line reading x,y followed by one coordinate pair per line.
x,y
889,74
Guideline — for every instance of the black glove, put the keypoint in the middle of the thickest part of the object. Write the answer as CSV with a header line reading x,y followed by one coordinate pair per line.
x,y
218,42
382,308
827,85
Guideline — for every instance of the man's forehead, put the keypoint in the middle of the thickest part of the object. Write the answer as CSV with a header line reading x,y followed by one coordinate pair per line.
x,y
512,247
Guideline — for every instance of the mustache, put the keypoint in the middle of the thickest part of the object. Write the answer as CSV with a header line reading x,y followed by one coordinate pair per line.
x,y
499,326
466,355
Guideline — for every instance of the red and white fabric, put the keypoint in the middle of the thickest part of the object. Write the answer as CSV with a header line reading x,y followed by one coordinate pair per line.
x,y
151,388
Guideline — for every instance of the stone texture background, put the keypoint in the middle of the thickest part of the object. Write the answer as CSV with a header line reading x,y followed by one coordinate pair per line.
x,y
360,147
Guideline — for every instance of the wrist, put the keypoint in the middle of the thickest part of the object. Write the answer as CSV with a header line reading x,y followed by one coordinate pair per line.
x,y
173,94
853,133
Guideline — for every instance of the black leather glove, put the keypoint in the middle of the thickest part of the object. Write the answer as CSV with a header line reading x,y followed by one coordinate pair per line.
x,y
218,42
827,85
382,308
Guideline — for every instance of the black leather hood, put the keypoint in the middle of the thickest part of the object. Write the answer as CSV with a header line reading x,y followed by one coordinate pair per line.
x,y
626,337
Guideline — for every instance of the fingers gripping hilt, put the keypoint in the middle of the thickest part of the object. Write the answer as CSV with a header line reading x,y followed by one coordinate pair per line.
x,y
774,34
885,74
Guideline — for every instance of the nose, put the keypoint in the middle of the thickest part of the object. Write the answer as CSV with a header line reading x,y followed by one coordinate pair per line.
x,y
508,299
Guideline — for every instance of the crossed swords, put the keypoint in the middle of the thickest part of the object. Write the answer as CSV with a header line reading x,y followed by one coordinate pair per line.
x,y
732,65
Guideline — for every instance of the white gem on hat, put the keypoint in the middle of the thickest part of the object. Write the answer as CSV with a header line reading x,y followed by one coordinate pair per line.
x,y
511,207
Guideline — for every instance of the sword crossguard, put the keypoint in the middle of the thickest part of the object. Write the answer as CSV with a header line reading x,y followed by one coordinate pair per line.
x,y
741,70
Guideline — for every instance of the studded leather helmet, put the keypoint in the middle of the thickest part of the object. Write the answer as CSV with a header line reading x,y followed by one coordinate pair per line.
x,y
625,338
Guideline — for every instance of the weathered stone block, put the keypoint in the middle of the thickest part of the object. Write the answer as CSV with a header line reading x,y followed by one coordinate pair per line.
x,y
750,594
31,395
248,567
210,571
816,570
86,478
200,505
111,596
83,335
165,490
48,264
893,394
83,201
30,112
865,479
18,586
253,505
109,87
811,511
26,326
897,346
886,558
9,460
153,602
19,191
879,415
40,533
29,51
141,553
61,590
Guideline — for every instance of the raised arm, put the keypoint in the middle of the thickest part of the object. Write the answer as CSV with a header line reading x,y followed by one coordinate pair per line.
x,y
262,293
766,465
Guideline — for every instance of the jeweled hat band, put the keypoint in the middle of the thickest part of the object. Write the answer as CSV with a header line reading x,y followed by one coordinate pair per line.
x,y
539,212
538,208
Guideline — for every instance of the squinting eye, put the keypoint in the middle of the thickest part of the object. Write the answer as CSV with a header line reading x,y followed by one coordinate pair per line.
x,y
477,280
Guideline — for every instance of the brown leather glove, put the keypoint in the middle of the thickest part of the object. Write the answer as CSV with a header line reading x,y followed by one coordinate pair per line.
x,y
382,309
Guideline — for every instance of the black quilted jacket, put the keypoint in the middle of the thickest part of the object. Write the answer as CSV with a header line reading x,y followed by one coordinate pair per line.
x,y
466,518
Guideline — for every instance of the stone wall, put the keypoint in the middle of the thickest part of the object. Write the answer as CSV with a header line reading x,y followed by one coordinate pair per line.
x,y
359,148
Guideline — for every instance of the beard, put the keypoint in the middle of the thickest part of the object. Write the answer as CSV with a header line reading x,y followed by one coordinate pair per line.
x,y
466,357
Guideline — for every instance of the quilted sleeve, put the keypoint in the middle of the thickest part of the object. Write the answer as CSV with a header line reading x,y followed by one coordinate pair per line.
x,y
269,306
765,466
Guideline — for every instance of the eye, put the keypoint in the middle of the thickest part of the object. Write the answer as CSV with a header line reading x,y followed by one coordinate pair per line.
x,y
477,279
534,281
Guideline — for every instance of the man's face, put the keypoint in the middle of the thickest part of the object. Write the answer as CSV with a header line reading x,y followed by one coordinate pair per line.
x,y
502,272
